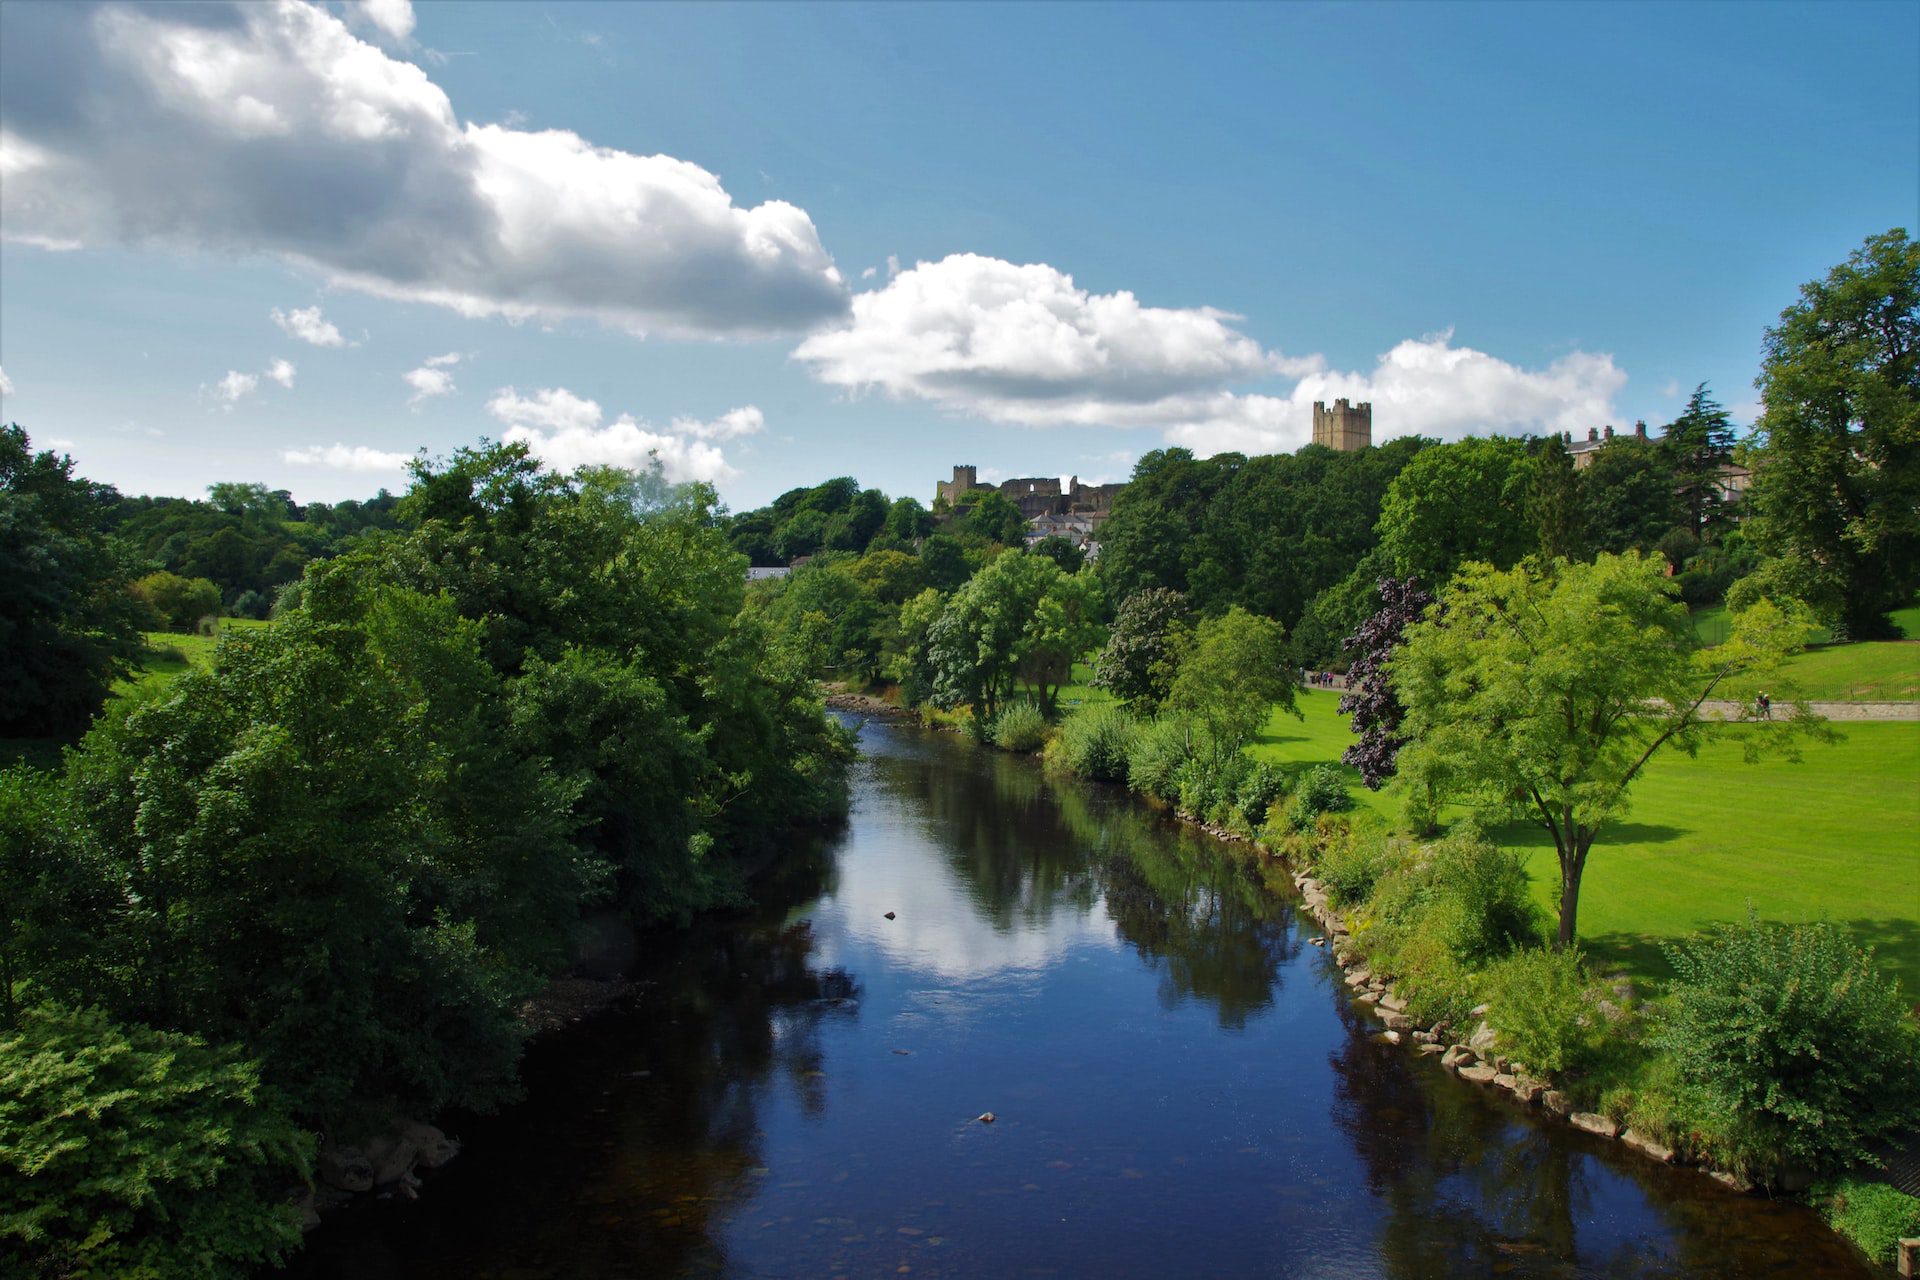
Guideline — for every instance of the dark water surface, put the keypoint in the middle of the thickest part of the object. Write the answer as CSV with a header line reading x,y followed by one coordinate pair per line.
x,y
1180,1086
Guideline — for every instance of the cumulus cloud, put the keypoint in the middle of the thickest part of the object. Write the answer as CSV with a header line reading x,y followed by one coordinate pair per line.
x,y
281,371
434,377
6,384
566,432
1423,386
272,128
236,385
1023,343
308,325
392,18
357,457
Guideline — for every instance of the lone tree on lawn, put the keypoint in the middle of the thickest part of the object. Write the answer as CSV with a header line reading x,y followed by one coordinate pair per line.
x,y
1547,692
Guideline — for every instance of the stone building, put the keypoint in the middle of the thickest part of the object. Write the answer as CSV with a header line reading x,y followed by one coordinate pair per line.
x,y
1345,427
1597,439
1036,496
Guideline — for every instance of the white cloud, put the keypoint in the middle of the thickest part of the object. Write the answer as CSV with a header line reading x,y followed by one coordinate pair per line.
x,y
281,371
234,386
308,325
565,431
272,128
731,425
1672,389
1424,386
356,457
552,408
6,384
434,377
1025,344
392,18
870,273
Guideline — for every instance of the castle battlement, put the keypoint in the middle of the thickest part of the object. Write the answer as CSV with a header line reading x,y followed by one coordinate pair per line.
x,y
1346,427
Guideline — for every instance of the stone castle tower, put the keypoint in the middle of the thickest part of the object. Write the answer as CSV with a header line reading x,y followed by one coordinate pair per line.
x,y
1344,427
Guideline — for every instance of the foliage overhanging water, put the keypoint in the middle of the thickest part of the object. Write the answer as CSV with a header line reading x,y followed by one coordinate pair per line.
x,y
1178,1083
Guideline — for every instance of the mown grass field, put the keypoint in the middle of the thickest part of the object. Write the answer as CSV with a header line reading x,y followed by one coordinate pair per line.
x,y
1836,837
1870,671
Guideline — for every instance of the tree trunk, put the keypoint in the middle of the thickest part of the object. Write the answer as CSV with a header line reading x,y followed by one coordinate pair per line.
x,y
1572,863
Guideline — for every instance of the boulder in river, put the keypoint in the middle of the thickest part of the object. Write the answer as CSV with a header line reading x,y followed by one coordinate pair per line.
x,y
345,1169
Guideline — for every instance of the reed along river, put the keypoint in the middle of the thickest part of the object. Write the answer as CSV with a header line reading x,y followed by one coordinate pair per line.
x,y
1179,1087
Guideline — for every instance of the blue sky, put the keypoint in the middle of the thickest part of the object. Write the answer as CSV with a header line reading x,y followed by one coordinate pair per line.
x,y
769,244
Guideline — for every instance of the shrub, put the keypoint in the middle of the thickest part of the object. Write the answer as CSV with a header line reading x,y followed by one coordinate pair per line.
x,y
1263,785
1791,1044
1020,726
1350,862
1161,747
1096,742
1873,1215
1322,791
131,1152
1208,782
1543,1009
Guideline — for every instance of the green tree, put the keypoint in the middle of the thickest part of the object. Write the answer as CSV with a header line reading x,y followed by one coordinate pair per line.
x,y
907,522
1064,627
1836,491
131,1152
68,627
994,518
1628,494
981,638
1061,551
180,602
945,561
1699,446
1150,634
1234,677
1456,503
1547,694
1555,503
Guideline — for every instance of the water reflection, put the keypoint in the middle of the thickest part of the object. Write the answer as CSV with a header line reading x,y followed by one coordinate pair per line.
x,y
1180,1087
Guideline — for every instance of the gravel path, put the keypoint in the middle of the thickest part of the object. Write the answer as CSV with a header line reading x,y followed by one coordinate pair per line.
x,y
1831,710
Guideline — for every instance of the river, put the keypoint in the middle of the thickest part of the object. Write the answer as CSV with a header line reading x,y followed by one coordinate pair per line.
x,y
1178,1083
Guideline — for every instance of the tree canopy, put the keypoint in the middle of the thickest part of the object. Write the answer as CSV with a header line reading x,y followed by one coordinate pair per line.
x,y
1836,489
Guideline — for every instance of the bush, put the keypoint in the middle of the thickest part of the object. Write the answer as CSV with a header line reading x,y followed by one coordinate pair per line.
x,y
1350,862
1321,791
131,1152
1020,726
1096,742
1208,782
1873,1215
1264,785
1543,1009
1161,747
1790,1045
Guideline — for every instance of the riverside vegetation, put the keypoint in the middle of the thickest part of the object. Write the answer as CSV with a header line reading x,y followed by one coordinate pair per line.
x,y
1520,651
306,892
498,695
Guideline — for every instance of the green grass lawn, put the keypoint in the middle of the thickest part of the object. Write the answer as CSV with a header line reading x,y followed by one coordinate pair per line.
x,y
1834,837
1871,671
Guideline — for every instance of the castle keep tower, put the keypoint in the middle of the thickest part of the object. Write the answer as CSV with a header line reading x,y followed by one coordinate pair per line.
x,y
1344,427
964,479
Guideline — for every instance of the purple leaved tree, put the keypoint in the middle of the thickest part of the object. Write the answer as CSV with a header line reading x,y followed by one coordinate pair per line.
x,y
1369,698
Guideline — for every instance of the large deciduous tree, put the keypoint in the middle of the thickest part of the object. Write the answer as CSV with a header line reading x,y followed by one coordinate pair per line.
x,y
1235,676
68,626
1458,502
1837,489
1547,694
1149,636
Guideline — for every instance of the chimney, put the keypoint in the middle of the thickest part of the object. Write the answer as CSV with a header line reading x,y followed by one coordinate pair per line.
x,y
1609,431
1640,429
1593,434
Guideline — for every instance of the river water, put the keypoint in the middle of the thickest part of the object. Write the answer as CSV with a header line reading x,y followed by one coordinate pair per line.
x,y
1179,1085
